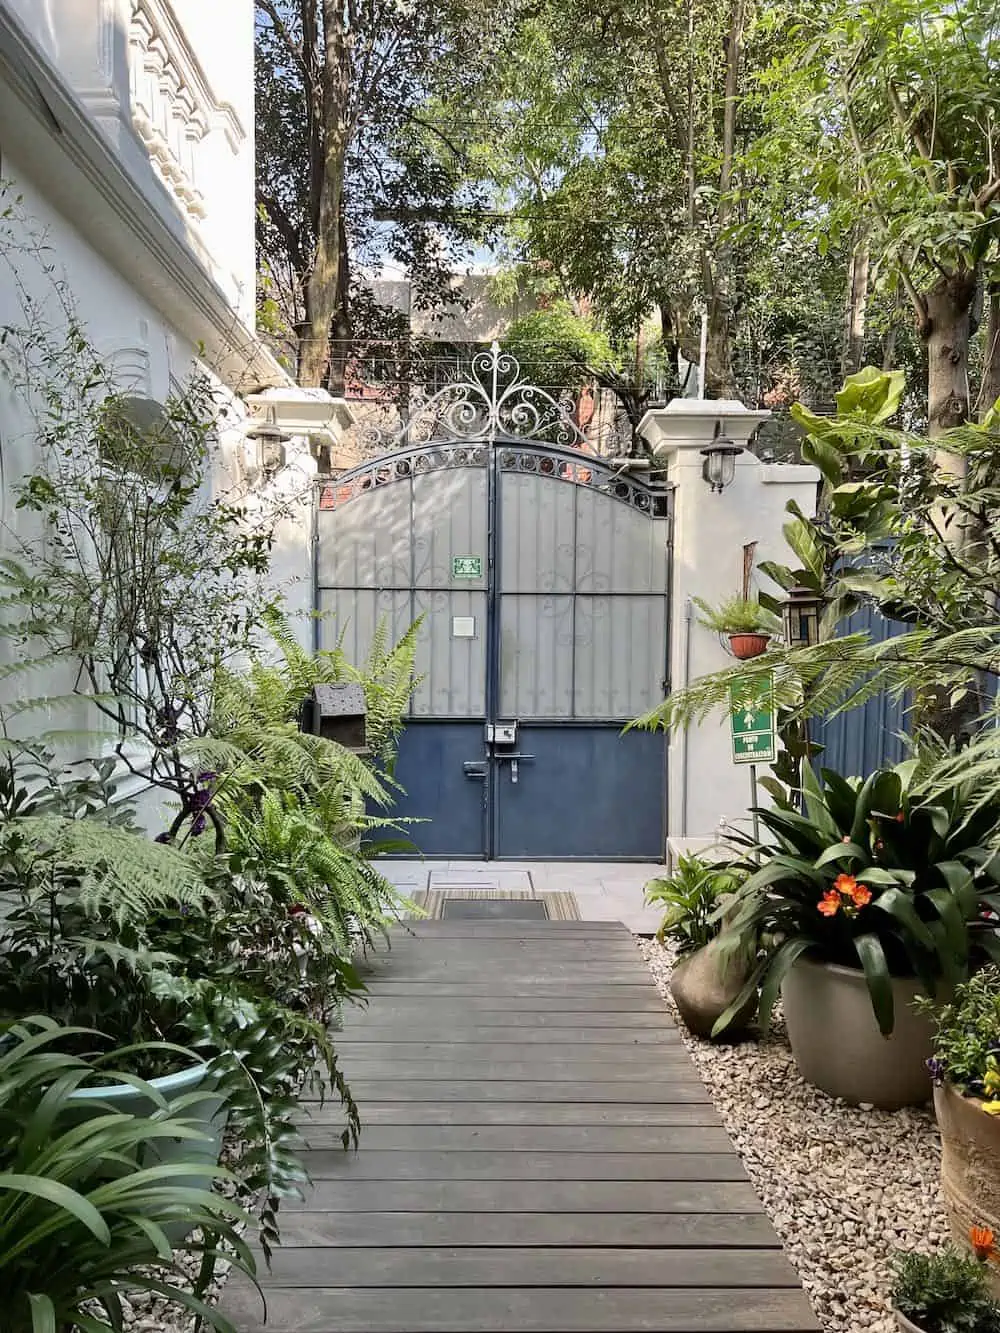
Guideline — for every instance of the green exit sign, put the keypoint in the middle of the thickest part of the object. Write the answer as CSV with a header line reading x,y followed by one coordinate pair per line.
x,y
753,720
467,567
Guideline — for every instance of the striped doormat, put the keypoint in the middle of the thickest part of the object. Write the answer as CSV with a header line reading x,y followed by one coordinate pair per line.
x,y
558,906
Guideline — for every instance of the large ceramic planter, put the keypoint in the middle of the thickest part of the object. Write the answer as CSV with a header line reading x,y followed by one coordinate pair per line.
x,y
970,1165
207,1115
837,1043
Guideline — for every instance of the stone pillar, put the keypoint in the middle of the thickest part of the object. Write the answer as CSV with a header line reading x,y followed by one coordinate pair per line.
x,y
313,418
709,533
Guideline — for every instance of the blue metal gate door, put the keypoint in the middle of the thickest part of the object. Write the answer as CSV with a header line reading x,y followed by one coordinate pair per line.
x,y
582,594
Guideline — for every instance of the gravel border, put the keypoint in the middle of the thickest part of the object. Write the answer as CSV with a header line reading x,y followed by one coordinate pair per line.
x,y
844,1187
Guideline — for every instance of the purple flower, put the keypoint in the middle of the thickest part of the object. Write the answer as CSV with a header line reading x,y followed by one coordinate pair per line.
x,y
936,1069
199,825
200,800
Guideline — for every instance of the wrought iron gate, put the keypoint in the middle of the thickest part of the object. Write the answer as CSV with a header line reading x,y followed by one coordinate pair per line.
x,y
541,574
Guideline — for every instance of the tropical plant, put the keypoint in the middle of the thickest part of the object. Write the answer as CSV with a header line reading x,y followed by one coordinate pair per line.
x,y
872,874
738,615
83,1223
947,1292
966,1044
691,897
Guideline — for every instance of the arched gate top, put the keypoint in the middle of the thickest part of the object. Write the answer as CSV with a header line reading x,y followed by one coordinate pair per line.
x,y
496,411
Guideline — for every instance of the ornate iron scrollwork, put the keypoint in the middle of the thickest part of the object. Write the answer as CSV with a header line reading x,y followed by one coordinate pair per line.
x,y
461,424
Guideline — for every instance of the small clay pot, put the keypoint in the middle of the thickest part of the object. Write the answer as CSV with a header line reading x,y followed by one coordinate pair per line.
x,y
745,646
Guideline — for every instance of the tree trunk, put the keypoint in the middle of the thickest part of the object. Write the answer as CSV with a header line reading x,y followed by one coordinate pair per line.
x,y
341,353
989,390
852,350
946,333
325,281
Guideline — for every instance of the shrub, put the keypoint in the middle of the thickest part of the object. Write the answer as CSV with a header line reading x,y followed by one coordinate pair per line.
x,y
945,1293
691,898
967,1038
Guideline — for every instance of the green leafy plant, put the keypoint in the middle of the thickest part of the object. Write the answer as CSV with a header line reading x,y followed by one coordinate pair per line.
x,y
945,1293
82,1221
691,898
967,1038
871,874
738,615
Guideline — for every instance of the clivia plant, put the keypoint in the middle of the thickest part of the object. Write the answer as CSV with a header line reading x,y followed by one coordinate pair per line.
x,y
872,875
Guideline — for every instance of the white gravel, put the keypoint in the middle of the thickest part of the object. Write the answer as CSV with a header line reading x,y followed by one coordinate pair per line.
x,y
844,1187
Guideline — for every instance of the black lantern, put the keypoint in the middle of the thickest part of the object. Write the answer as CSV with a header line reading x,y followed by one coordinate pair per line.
x,y
800,614
719,467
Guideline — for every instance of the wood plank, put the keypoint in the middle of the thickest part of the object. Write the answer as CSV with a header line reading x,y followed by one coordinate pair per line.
x,y
507,1051
621,1066
382,1014
663,1230
639,1002
691,1089
570,1139
499,987
472,1113
426,1037
538,1266
442,928
527,1196
530,1310
371,1164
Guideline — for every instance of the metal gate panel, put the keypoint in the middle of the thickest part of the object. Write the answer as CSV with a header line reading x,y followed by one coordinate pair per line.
x,y
541,578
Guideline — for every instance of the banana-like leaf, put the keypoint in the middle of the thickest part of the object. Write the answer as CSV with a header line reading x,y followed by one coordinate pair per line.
x,y
876,969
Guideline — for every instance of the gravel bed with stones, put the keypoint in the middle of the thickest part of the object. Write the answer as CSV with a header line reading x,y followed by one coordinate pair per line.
x,y
843,1186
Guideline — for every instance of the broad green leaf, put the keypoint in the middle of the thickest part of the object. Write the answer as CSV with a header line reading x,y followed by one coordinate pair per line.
x,y
876,969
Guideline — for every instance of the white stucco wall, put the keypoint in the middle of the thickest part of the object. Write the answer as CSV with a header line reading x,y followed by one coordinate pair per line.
x,y
709,533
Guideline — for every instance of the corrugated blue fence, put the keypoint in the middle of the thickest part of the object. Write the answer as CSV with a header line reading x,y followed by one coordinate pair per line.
x,y
863,739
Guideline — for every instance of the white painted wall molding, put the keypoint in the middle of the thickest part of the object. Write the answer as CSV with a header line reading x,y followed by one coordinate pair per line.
x,y
130,221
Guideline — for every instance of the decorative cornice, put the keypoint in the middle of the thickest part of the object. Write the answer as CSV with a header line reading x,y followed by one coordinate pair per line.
x,y
140,235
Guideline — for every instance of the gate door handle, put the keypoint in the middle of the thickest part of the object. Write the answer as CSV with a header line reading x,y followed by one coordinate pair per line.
x,y
475,770
515,760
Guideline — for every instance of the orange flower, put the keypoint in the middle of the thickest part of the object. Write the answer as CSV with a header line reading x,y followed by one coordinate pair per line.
x,y
846,885
900,817
829,904
981,1239
861,895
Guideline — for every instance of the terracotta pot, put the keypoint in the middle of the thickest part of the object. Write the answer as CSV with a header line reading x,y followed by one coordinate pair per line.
x,y
745,646
837,1044
970,1166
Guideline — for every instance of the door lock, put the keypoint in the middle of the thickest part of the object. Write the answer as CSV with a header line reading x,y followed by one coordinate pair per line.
x,y
475,770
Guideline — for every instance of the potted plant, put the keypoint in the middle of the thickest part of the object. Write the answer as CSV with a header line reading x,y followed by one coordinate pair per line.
x,y
966,1075
83,1221
872,894
747,624
944,1293
706,977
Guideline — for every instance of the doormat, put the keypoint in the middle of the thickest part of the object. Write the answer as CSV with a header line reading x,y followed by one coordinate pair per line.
x,y
558,906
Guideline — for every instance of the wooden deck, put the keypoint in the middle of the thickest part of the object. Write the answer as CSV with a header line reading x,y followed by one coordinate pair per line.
x,y
538,1154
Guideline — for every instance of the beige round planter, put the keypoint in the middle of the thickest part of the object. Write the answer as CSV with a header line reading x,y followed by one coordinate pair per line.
x,y
970,1166
837,1043
704,984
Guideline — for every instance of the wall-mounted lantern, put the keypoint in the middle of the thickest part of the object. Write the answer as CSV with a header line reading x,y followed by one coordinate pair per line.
x,y
800,614
719,468
270,440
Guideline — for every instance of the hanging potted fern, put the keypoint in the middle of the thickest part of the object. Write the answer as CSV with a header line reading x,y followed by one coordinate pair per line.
x,y
747,625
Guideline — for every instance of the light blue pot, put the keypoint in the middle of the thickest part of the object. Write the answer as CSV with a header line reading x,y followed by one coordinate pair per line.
x,y
208,1116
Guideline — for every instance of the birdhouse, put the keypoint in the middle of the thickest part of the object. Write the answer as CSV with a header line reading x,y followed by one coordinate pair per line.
x,y
337,713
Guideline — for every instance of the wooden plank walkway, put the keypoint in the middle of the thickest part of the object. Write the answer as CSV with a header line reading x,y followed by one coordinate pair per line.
x,y
538,1154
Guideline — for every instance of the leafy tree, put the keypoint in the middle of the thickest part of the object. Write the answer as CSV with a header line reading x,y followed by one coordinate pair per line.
x,y
557,348
889,110
341,143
